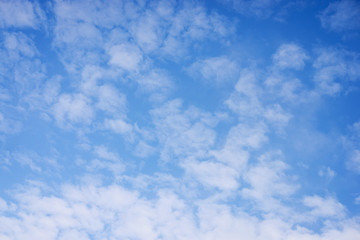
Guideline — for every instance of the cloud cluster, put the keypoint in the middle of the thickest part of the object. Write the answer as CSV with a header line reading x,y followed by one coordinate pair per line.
x,y
144,120
341,16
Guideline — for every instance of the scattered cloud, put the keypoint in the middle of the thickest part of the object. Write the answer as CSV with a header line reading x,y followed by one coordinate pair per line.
x,y
353,163
177,116
119,126
341,16
181,132
259,8
290,56
335,68
125,56
324,207
21,14
217,69
73,108
327,172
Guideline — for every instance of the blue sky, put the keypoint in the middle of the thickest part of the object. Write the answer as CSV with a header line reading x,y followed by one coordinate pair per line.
x,y
180,120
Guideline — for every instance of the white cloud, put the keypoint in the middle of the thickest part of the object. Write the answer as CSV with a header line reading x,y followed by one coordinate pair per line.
x,y
148,31
326,172
19,44
119,126
104,212
324,207
8,125
102,152
157,83
245,99
213,174
269,171
216,69
104,14
81,31
28,159
110,100
44,96
290,56
3,205
259,8
143,149
86,34
357,200
17,13
183,132
73,108
78,34
276,115
341,16
125,56
335,68
353,164
191,24
248,136
104,159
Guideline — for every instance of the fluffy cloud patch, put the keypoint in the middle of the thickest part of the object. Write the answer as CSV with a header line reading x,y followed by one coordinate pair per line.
x,y
106,132
290,56
74,108
125,56
19,14
217,69
324,207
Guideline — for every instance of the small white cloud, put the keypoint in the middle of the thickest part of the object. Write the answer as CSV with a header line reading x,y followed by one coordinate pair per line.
x,y
73,108
156,83
276,115
8,125
258,8
216,69
353,164
213,174
80,34
290,56
148,31
19,43
269,184
245,99
324,207
143,149
125,56
326,172
3,205
334,69
110,100
102,152
73,234
17,13
28,159
268,172
240,140
183,132
341,16
191,24
118,126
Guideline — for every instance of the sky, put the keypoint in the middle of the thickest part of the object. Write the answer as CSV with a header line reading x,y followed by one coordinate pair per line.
x,y
228,119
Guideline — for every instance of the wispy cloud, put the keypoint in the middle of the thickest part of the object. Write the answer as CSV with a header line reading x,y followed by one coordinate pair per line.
x,y
341,16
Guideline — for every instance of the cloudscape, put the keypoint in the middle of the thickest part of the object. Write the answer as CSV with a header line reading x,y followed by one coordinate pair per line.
x,y
192,120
